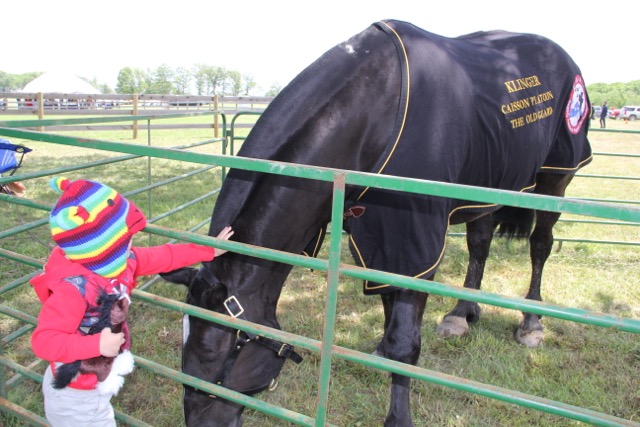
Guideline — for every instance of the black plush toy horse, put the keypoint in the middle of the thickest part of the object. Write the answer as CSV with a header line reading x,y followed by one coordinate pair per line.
x,y
113,309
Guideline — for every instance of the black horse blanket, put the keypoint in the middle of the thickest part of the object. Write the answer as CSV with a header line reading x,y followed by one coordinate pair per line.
x,y
508,106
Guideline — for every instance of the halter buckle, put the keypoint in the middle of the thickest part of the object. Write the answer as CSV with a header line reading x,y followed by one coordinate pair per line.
x,y
242,339
232,300
284,347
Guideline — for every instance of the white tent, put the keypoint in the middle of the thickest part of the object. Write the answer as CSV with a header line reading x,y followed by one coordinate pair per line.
x,y
59,83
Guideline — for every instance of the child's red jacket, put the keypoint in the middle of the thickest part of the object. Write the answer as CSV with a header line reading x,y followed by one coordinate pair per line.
x,y
69,291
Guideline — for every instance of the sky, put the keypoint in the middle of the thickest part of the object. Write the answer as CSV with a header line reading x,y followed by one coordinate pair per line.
x,y
274,40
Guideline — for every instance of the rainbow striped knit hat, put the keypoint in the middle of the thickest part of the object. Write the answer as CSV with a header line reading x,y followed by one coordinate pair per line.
x,y
93,225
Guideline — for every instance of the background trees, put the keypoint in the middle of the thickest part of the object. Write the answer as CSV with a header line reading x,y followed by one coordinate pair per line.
x,y
616,94
14,82
200,79
203,79
132,80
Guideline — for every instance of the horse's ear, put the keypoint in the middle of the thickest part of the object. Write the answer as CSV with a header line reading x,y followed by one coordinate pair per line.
x,y
181,276
206,290
205,275
211,288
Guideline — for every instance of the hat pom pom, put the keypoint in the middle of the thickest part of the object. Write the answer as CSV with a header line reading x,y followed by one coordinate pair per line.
x,y
59,183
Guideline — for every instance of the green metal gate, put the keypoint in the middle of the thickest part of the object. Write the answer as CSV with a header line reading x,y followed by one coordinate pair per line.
x,y
334,269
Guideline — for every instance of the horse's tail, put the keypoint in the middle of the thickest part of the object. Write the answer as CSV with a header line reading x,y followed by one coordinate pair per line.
x,y
65,373
514,222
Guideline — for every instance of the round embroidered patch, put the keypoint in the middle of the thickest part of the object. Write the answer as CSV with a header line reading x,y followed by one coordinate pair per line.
x,y
576,111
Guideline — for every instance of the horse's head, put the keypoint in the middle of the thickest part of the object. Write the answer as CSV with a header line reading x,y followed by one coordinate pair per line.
x,y
241,361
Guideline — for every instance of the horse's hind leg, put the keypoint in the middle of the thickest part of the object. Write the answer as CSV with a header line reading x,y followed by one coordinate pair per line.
x,y
479,236
402,342
530,330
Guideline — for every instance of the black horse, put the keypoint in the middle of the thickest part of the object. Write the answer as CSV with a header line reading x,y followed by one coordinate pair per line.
x,y
490,109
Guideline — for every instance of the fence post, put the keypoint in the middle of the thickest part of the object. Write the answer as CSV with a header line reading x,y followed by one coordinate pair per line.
x,y
3,377
333,277
216,120
134,112
40,99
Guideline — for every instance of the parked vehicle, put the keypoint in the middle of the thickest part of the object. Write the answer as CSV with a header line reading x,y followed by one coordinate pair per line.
x,y
630,113
614,113
596,112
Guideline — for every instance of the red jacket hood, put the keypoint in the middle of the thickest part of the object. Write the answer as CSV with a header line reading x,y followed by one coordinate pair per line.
x,y
57,267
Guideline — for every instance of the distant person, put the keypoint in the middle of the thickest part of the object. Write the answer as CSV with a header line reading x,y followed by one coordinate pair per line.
x,y
603,115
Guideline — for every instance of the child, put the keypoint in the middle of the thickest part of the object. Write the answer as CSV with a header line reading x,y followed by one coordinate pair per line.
x,y
92,226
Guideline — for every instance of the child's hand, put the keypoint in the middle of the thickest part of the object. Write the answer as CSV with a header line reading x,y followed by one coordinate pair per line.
x,y
110,343
225,234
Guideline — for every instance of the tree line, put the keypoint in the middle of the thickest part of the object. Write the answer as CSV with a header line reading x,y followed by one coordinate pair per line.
x,y
200,79
616,94
211,80
15,82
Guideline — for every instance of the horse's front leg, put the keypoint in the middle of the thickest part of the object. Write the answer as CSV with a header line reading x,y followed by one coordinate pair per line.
x,y
479,236
402,342
387,299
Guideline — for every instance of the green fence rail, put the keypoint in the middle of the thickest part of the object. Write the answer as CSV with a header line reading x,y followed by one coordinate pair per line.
x,y
334,269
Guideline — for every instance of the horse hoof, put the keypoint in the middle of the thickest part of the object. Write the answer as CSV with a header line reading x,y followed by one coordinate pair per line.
x,y
531,339
452,326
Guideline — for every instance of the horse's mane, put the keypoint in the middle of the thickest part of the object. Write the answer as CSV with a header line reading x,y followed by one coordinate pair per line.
x,y
300,125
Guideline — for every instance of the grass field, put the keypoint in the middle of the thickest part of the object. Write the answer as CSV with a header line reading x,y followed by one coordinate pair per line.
x,y
577,364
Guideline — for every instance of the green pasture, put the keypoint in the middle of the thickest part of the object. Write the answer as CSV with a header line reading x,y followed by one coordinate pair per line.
x,y
577,364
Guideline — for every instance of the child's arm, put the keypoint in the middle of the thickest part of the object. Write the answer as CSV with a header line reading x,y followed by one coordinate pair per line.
x,y
160,259
55,337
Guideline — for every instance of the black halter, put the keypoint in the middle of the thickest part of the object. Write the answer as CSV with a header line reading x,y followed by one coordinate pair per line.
x,y
284,350
235,310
